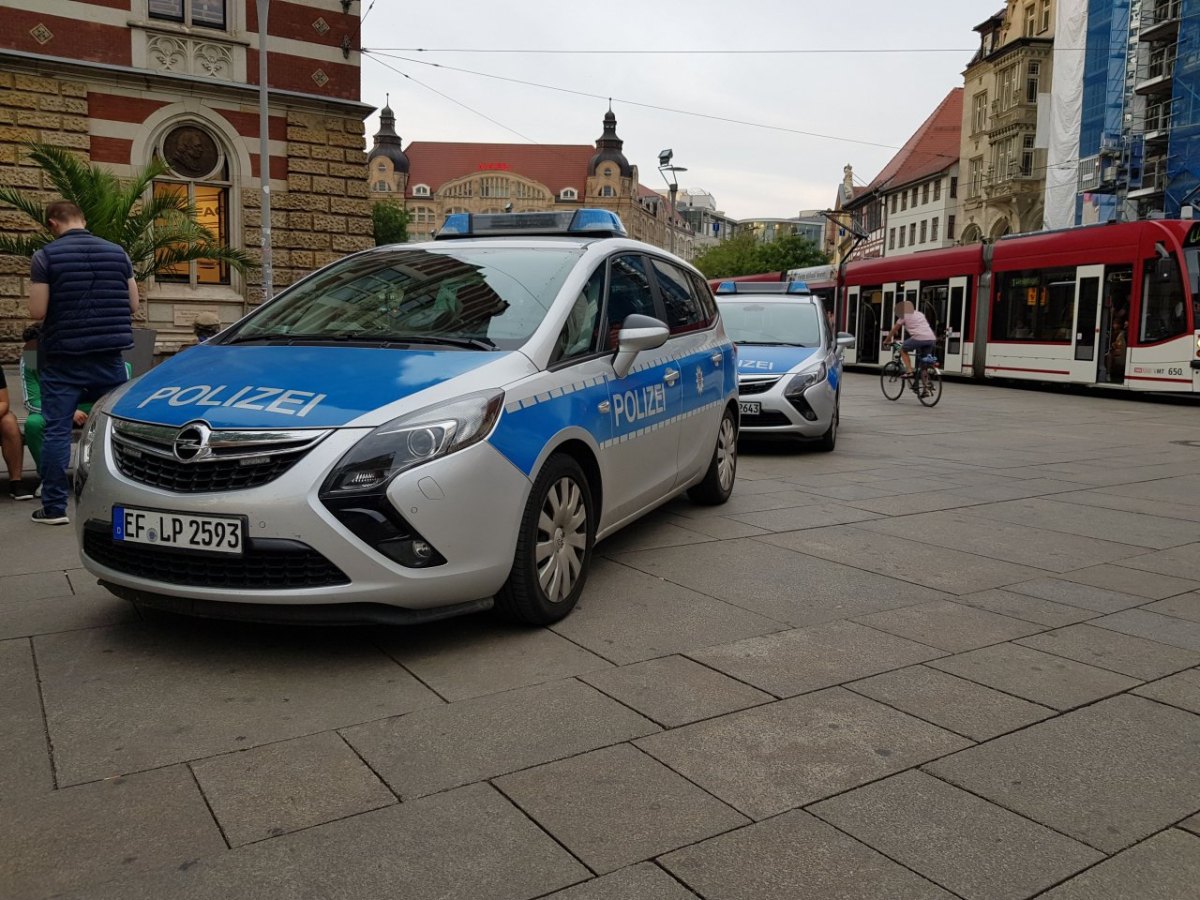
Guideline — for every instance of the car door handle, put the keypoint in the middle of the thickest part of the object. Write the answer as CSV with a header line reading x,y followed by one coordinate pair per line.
x,y
605,406
716,359
671,376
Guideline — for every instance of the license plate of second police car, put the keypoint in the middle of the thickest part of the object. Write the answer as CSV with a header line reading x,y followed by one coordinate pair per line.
x,y
750,409
149,526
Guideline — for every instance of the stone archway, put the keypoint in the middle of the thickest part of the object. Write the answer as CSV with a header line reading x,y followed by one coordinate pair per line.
x,y
972,234
1000,229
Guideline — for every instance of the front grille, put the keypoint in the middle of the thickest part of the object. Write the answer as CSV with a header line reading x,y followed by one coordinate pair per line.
x,y
265,565
197,459
756,387
196,478
766,419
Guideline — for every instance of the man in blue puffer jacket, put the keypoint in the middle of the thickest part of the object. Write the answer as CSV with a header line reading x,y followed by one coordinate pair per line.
x,y
82,287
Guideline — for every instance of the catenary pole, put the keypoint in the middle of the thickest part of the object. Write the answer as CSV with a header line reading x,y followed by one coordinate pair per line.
x,y
264,151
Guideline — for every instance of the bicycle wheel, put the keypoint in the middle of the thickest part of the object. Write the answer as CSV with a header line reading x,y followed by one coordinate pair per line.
x,y
930,391
890,381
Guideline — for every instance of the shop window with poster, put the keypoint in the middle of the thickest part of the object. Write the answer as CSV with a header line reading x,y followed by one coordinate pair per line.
x,y
199,170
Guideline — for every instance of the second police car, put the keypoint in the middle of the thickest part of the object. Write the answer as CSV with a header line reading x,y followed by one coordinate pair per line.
x,y
789,360
416,429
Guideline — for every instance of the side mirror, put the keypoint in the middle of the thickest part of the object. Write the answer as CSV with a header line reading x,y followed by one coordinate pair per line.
x,y
637,333
845,340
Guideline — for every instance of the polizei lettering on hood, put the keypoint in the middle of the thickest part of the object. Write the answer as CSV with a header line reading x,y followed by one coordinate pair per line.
x,y
633,406
261,399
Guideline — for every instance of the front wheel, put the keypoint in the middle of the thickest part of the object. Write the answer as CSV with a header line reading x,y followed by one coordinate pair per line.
x,y
554,546
718,481
930,391
828,440
891,380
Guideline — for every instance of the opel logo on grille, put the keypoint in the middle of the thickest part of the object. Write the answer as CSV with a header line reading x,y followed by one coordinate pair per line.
x,y
191,443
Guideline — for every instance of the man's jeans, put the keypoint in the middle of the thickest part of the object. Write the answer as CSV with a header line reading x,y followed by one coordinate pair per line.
x,y
68,381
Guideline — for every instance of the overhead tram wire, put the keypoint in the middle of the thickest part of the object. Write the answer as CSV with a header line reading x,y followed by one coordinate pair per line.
x,y
695,52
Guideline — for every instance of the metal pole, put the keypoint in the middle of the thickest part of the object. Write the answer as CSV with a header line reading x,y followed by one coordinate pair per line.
x,y
671,223
264,151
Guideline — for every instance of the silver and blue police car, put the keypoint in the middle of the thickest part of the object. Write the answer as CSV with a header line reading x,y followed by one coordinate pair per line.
x,y
789,360
417,429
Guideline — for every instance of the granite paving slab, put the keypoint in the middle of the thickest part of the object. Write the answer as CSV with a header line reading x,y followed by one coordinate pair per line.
x,y
66,612
740,504
471,740
1130,581
795,855
967,845
478,655
1108,775
82,835
1178,562
1165,866
1123,527
1182,690
1132,656
949,626
1161,507
645,881
675,691
627,616
779,583
718,526
773,758
818,514
940,568
1029,609
1071,593
29,550
271,790
953,703
1007,541
466,844
34,586
808,659
1185,606
183,689
655,531
1164,629
617,806
25,769
1041,677
1191,824
907,504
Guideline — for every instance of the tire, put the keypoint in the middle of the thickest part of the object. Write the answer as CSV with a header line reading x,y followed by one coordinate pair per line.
x,y
722,471
930,389
559,525
828,441
890,381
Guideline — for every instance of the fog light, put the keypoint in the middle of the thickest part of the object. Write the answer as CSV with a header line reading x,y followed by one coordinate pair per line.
x,y
375,522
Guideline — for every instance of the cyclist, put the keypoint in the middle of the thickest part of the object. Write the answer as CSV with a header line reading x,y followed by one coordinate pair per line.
x,y
921,338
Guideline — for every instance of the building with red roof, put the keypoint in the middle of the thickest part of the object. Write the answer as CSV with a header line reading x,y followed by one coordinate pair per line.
x,y
433,179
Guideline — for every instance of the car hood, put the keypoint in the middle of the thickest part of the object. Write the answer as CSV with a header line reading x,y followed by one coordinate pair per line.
x,y
290,387
758,360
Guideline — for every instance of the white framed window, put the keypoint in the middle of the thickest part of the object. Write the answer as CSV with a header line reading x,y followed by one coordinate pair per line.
x,y
975,177
423,215
201,13
607,191
933,229
1033,80
937,191
382,186
568,194
979,112
924,230
1030,20
1045,23
1027,155
420,190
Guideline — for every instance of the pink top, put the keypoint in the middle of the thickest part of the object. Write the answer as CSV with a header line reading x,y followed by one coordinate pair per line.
x,y
918,327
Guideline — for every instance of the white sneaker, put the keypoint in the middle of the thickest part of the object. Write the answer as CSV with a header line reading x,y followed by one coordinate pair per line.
x,y
44,518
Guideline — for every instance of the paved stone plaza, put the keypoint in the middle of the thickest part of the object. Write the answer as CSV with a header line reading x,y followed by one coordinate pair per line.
x,y
958,657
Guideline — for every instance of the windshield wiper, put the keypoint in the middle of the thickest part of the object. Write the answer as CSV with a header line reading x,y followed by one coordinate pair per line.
x,y
769,344
449,341
262,336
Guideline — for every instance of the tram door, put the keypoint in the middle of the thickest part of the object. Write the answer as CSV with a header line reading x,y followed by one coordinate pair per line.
x,y
850,355
956,324
1088,355
887,318
870,312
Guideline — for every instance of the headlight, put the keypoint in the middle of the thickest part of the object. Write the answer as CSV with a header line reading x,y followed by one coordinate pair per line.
x,y
92,430
805,380
411,440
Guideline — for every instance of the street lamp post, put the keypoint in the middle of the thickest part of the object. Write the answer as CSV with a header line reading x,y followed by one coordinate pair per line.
x,y
264,151
664,166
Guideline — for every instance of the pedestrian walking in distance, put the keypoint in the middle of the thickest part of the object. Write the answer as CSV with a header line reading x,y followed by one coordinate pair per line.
x,y
82,288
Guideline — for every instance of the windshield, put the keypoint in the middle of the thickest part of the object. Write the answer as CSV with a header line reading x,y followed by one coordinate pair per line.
x,y
748,322
1192,254
481,298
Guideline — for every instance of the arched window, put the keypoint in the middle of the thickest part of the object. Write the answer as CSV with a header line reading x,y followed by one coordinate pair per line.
x,y
421,190
382,186
607,191
199,171
608,172
568,194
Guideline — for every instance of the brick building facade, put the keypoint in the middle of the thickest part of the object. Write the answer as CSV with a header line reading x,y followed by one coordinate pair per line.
x,y
432,179
125,81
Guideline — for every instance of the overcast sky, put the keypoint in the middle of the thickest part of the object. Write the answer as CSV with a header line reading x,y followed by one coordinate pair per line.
x,y
874,97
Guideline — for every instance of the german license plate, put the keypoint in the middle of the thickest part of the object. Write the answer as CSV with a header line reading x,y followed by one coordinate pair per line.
x,y
217,534
750,409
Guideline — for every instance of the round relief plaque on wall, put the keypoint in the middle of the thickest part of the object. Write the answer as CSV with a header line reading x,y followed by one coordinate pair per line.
x,y
190,151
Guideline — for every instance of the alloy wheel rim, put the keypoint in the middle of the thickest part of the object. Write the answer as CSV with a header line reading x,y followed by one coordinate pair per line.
x,y
561,539
726,454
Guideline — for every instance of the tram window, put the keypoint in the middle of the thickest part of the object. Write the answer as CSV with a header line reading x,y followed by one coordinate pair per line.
x,y
1035,305
1164,314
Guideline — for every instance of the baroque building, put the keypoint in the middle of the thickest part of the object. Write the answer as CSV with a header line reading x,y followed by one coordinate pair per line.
x,y
432,179
123,82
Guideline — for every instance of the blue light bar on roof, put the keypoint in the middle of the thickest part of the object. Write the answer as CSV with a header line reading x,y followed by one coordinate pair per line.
x,y
592,222
798,287
763,287
727,287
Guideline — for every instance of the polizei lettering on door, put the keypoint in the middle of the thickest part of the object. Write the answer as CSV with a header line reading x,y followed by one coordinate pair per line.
x,y
261,399
634,406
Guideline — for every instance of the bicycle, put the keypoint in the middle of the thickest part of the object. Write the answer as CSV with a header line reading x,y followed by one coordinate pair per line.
x,y
926,381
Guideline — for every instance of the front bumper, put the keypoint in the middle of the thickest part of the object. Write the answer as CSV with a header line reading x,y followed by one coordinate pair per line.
x,y
807,417
467,506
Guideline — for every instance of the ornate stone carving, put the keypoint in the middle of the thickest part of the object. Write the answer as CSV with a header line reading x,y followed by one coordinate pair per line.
x,y
167,54
213,60
41,33
189,56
